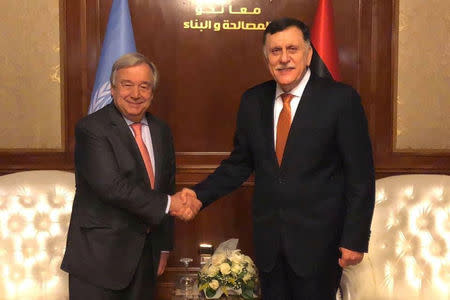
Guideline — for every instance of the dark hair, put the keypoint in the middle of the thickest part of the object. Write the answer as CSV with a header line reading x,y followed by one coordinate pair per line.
x,y
283,23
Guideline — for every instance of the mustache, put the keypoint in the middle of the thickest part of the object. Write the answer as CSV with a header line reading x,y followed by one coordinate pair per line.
x,y
135,101
280,68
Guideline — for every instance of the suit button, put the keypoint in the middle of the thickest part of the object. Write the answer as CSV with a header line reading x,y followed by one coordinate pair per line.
x,y
281,180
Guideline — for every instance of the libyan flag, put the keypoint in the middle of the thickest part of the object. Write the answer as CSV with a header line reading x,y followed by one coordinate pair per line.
x,y
325,61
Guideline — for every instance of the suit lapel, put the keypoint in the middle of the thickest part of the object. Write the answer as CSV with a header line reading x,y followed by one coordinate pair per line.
x,y
267,104
120,127
295,130
155,133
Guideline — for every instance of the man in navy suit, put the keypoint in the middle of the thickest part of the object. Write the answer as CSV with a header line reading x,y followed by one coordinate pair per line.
x,y
306,139
120,229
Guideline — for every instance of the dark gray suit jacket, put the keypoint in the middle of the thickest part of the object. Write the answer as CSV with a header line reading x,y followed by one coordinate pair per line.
x,y
322,196
114,203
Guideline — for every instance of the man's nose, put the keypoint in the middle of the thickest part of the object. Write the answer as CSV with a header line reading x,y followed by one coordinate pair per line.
x,y
284,56
135,93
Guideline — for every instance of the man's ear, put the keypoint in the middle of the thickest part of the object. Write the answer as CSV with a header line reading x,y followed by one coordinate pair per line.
x,y
265,58
113,91
309,56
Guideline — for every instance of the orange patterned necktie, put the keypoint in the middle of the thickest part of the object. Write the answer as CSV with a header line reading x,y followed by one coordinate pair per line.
x,y
137,129
283,126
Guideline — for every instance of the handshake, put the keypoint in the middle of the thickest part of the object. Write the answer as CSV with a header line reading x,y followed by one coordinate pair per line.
x,y
184,205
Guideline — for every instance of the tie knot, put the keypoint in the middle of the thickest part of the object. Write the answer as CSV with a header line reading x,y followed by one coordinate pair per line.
x,y
136,128
286,97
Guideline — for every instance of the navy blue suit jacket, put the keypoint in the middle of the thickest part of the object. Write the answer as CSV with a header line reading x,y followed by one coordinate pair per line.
x,y
322,195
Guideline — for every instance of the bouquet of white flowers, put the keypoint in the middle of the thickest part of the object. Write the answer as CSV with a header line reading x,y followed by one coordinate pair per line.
x,y
228,272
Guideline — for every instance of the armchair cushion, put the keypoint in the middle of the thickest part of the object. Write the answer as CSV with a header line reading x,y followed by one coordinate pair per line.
x,y
409,252
35,211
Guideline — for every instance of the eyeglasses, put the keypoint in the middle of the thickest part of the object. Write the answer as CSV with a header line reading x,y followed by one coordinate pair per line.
x,y
129,86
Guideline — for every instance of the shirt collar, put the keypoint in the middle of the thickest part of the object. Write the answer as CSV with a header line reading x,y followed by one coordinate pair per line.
x,y
298,90
144,121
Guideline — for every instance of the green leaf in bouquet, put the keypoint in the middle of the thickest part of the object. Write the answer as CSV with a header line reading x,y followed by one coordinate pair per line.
x,y
247,294
250,284
210,292
242,274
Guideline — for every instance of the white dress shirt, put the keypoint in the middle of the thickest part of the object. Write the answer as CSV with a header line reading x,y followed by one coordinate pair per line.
x,y
297,92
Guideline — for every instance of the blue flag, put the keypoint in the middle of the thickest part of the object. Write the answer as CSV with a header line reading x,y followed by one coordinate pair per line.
x,y
119,40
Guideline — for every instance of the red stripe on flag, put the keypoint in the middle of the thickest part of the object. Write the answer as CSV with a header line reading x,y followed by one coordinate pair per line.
x,y
322,37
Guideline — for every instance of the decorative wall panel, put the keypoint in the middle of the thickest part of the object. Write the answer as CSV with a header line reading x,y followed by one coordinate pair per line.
x,y
423,76
30,85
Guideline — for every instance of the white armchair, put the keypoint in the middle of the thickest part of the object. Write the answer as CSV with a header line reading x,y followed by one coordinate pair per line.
x,y
35,211
409,251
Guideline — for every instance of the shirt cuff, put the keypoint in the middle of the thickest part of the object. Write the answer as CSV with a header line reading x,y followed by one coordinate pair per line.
x,y
168,204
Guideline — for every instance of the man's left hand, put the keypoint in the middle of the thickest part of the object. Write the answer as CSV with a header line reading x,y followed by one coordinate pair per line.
x,y
162,262
350,257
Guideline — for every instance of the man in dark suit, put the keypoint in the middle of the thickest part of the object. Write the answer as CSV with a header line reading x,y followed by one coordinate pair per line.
x,y
306,139
120,231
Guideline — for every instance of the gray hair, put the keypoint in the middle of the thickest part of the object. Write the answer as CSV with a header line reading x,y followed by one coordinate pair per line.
x,y
282,24
131,60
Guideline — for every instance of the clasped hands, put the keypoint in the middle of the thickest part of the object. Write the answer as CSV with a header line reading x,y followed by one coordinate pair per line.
x,y
184,205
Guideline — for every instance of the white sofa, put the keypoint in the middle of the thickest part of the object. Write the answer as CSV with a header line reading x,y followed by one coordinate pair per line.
x,y
35,211
409,251
409,255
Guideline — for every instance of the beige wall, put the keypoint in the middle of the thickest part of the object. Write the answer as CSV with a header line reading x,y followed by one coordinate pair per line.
x,y
30,88
423,90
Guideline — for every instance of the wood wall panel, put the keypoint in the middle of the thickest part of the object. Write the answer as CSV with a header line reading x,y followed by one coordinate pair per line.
x,y
202,78
198,95
383,43
204,106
